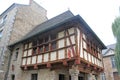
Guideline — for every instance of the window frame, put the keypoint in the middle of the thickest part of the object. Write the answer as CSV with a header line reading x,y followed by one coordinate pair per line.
x,y
34,76
113,61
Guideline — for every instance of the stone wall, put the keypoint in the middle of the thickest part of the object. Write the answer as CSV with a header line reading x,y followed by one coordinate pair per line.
x,y
27,18
43,74
108,68
7,28
19,21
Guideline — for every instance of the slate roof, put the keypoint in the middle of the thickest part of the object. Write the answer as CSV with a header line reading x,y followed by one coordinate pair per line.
x,y
49,24
111,46
58,20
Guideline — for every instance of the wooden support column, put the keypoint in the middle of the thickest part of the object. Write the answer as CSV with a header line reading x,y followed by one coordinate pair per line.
x,y
74,72
77,61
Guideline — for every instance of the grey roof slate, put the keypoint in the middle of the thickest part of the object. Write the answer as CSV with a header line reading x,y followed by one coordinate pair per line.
x,y
52,23
111,46
49,24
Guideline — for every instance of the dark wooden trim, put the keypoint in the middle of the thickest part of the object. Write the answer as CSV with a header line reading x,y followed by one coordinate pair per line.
x,y
49,51
73,51
50,41
65,41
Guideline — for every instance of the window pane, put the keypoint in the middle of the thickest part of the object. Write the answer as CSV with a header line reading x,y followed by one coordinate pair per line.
x,y
40,41
46,39
61,77
1,33
34,77
34,43
34,51
113,61
41,49
46,47
53,36
53,45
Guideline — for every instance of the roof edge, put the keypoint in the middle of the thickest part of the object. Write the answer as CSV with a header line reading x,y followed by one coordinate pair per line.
x,y
87,26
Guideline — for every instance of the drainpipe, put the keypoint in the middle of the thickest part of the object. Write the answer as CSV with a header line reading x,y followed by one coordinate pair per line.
x,y
9,61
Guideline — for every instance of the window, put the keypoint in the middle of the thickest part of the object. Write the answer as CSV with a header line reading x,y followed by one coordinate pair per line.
x,y
61,77
34,43
103,76
46,39
53,45
53,36
47,47
16,53
34,77
113,61
34,51
1,33
41,49
40,41
13,77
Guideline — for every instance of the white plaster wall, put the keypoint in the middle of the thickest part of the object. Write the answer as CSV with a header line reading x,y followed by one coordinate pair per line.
x,y
29,60
46,57
53,56
39,59
25,53
61,43
61,54
29,52
71,30
85,55
61,34
33,59
24,61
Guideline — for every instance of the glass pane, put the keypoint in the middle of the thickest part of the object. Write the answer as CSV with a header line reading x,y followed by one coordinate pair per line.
x,y
1,33
53,45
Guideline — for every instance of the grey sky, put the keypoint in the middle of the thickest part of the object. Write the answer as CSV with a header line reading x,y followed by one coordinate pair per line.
x,y
99,14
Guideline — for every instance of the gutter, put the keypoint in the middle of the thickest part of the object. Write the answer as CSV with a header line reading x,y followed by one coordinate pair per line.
x,y
9,61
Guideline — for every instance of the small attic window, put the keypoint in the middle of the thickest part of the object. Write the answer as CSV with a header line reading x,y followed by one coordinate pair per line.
x,y
2,21
4,17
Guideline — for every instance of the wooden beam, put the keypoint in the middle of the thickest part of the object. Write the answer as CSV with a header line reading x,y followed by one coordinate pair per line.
x,y
73,51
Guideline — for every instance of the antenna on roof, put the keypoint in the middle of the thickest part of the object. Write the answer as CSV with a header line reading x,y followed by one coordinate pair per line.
x,y
68,8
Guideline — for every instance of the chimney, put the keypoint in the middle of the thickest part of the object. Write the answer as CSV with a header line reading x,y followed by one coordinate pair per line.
x,y
30,2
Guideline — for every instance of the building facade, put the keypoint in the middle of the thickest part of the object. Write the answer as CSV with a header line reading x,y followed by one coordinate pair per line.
x,y
62,48
110,69
15,22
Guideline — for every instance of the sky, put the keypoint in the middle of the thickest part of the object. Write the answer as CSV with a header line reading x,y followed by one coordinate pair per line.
x,y
99,14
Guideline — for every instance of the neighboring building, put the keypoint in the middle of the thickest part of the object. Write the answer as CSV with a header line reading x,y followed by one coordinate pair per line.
x,y
16,22
62,48
110,70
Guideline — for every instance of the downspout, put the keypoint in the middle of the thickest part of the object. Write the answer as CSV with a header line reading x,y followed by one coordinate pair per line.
x,y
9,61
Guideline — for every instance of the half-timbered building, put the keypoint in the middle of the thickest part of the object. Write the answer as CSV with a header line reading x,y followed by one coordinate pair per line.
x,y
62,48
